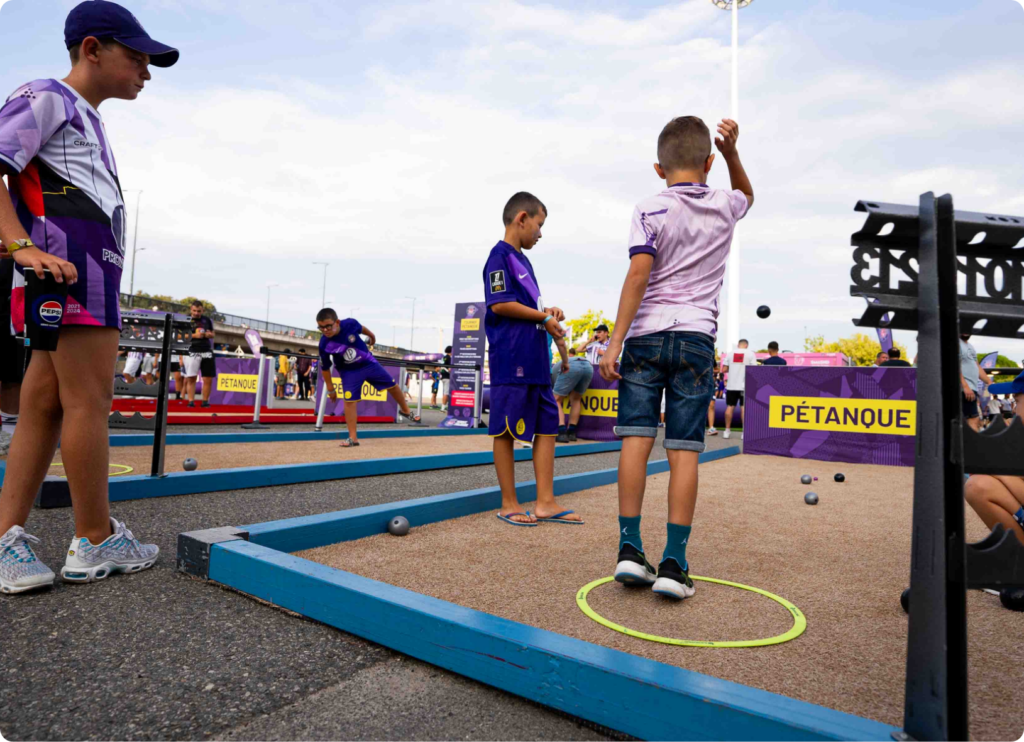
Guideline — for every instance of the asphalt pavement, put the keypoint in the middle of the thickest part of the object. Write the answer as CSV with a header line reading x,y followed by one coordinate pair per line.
x,y
160,655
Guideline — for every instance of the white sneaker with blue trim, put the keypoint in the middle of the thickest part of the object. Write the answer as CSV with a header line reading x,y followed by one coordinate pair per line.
x,y
119,552
20,568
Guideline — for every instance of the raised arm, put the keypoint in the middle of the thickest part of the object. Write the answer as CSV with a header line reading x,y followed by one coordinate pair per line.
x,y
729,132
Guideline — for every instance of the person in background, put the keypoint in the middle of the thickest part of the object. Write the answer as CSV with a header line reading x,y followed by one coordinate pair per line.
x,y
571,384
1000,499
596,345
971,373
1006,404
446,377
894,359
435,385
14,360
281,377
148,367
200,355
304,365
881,359
711,406
774,359
736,367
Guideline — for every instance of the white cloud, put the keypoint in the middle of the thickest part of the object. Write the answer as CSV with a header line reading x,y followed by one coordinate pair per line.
x,y
400,179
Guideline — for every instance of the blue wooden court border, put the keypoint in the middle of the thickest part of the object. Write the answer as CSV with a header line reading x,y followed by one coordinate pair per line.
x,y
178,439
640,697
140,487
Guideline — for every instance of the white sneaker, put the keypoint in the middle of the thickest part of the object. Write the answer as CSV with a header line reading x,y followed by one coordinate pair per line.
x,y
20,569
712,431
741,436
725,434
119,552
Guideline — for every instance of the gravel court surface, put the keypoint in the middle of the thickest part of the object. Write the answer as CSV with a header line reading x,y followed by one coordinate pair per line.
x,y
159,655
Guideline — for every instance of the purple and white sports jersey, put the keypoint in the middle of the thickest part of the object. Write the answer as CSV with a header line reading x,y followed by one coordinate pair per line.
x,y
518,352
346,349
688,229
63,182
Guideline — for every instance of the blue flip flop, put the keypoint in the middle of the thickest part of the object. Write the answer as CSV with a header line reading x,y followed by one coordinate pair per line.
x,y
557,518
508,519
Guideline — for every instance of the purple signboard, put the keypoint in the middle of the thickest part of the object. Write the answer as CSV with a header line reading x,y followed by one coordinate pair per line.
x,y
374,404
600,408
467,350
236,382
854,415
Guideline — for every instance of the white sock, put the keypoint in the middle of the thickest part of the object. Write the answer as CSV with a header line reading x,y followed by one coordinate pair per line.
x,y
8,422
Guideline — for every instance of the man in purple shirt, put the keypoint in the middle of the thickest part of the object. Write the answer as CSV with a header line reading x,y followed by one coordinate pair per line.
x,y
342,345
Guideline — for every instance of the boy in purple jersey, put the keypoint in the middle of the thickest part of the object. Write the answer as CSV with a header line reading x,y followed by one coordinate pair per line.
x,y
523,407
668,313
342,345
64,213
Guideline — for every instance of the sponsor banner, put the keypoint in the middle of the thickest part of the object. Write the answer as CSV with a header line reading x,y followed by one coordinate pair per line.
x,y
468,343
372,404
597,403
252,337
859,415
244,383
235,382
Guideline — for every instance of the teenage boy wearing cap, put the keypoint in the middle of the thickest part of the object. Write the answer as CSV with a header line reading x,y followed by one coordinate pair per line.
x,y
65,213
1000,499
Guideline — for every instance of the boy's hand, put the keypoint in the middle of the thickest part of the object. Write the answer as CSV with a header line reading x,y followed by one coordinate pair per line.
x,y
565,367
609,361
333,394
557,313
554,329
729,132
37,260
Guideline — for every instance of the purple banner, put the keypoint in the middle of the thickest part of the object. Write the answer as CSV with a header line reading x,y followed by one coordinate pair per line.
x,y
373,403
853,415
235,382
467,350
600,408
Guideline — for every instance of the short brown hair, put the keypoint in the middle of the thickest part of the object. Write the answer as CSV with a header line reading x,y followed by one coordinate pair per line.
x,y
522,201
684,143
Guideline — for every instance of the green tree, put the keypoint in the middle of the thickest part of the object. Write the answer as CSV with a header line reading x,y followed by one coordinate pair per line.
x,y
1001,362
584,325
860,348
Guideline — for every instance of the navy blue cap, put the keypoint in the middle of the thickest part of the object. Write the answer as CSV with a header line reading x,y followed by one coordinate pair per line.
x,y
107,20
1008,387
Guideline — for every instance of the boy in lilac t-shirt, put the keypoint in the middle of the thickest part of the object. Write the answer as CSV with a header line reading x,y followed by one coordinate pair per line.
x,y
667,319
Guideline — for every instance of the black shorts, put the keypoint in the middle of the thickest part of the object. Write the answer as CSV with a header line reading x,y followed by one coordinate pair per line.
x,y
970,407
733,398
175,367
13,357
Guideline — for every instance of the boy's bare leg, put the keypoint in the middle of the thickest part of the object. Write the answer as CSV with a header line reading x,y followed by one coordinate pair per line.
x,y
34,443
682,486
994,499
561,413
398,396
728,418
190,388
505,467
575,407
352,419
207,387
544,473
636,450
711,413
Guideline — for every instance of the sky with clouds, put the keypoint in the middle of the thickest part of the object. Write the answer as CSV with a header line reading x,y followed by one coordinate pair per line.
x,y
385,137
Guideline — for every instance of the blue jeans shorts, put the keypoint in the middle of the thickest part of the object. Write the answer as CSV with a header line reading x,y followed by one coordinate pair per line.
x,y
682,365
576,379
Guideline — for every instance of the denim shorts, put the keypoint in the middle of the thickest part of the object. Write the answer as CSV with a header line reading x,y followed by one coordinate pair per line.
x,y
576,379
682,365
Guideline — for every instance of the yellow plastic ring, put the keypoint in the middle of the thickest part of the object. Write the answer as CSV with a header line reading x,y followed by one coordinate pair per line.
x,y
125,469
799,621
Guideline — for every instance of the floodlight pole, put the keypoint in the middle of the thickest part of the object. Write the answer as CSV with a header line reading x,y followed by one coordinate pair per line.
x,y
732,328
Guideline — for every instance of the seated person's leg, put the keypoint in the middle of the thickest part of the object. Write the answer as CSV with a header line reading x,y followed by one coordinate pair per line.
x,y
997,499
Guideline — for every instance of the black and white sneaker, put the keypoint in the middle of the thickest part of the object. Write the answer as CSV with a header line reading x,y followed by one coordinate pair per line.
x,y
672,581
633,567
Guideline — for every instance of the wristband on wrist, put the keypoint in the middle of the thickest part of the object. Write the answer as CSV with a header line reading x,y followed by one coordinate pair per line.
x,y
16,245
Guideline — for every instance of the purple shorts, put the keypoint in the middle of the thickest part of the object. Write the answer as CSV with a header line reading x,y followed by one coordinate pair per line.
x,y
524,410
354,383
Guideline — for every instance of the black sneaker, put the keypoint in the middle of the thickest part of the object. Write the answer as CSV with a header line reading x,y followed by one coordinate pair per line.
x,y
205,404
633,567
562,437
572,435
672,581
